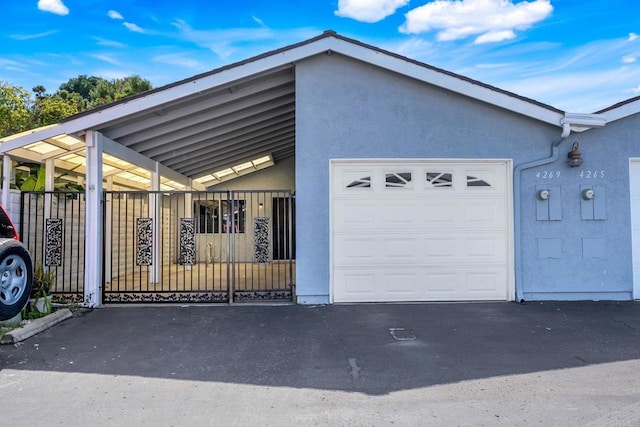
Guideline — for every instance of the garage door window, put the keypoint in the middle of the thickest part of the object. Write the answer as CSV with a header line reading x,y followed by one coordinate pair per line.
x,y
398,179
472,181
364,182
439,179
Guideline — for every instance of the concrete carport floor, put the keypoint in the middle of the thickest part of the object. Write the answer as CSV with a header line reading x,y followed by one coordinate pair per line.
x,y
569,363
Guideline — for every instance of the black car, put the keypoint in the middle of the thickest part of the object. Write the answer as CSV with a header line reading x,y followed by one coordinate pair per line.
x,y
16,270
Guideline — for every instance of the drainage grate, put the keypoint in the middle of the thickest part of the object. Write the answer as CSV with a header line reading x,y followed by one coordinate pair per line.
x,y
402,334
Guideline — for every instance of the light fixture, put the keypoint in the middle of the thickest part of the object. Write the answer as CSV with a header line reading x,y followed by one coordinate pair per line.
x,y
260,205
574,158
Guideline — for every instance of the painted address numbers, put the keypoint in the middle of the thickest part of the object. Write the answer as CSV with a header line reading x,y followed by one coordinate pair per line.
x,y
584,174
589,174
548,175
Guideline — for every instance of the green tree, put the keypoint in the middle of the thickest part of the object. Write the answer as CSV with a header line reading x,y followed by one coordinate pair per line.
x,y
15,114
55,108
96,91
21,110
131,85
105,91
82,85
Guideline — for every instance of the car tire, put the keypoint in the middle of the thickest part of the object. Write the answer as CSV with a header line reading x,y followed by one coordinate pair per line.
x,y
16,278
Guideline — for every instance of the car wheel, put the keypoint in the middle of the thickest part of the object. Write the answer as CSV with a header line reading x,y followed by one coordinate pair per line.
x,y
16,278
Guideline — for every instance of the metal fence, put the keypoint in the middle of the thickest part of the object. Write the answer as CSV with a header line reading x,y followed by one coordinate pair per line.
x,y
52,228
198,246
169,246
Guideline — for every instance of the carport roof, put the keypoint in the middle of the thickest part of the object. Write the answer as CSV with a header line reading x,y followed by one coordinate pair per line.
x,y
226,118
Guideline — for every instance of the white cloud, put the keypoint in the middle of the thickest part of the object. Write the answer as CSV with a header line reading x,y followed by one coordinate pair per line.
x,y
221,42
495,36
113,14
109,43
53,6
629,59
225,43
368,10
105,58
133,27
632,37
490,66
489,20
32,36
180,60
636,89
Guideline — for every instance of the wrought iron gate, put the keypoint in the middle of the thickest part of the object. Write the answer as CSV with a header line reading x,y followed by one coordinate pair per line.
x,y
51,226
198,246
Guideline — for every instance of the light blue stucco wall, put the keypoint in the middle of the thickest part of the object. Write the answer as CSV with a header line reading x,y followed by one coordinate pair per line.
x,y
593,259
348,109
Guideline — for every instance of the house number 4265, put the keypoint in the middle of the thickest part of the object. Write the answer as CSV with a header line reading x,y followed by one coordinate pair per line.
x,y
589,174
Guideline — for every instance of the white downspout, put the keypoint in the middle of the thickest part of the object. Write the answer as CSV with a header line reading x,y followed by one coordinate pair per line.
x,y
584,121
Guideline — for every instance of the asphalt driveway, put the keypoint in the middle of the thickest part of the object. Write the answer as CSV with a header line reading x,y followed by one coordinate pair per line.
x,y
439,364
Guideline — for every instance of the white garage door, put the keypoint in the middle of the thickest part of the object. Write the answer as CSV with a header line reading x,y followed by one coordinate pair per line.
x,y
420,230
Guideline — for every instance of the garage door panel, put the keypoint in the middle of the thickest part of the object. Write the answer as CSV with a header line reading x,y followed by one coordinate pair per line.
x,y
375,249
355,286
397,284
396,214
484,213
439,248
439,213
380,285
352,250
440,236
473,249
484,282
488,248
400,249
349,214
441,283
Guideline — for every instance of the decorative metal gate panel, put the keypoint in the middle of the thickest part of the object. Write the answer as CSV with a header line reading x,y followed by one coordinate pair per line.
x,y
52,227
196,246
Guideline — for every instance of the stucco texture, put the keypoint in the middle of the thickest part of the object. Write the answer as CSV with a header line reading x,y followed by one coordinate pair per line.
x,y
349,109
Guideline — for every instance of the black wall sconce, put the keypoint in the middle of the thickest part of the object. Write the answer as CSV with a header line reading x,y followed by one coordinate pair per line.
x,y
574,158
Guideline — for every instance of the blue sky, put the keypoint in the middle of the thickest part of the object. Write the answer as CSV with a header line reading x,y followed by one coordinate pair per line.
x,y
577,55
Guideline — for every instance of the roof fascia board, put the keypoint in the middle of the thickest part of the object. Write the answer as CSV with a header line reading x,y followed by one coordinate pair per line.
x,y
445,81
153,100
622,111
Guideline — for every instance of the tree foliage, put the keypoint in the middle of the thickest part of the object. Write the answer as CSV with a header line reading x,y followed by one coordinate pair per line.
x,y
54,108
21,110
96,91
15,109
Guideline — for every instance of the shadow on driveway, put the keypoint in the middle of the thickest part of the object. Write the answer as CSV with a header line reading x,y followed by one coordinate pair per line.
x,y
369,348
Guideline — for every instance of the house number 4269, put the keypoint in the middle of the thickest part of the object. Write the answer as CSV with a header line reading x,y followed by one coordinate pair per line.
x,y
548,175
589,174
